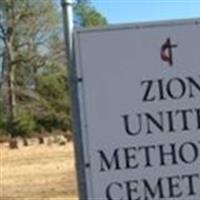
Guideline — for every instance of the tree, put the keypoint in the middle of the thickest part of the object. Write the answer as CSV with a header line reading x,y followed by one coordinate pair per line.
x,y
34,86
25,27
88,16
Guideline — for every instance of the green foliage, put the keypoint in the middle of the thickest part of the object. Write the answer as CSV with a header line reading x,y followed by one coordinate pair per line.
x,y
51,86
52,122
89,16
2,122
23,124
31,34
55,107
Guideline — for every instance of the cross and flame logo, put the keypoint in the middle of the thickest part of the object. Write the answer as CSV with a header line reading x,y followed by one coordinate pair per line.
x,y
166,53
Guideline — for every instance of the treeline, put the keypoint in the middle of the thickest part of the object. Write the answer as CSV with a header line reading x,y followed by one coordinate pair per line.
x,y
34,84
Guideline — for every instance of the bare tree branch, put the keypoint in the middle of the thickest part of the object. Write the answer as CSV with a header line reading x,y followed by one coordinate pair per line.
x,y
2,38
3,33
2,54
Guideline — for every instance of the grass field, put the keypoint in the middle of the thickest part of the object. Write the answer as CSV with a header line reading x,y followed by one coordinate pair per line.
x,y
37,172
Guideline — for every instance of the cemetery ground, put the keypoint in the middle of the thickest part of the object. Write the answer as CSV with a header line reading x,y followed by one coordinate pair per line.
x,y
37,172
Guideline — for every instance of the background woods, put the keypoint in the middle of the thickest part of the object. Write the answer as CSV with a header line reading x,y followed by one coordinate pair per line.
x,y
34,93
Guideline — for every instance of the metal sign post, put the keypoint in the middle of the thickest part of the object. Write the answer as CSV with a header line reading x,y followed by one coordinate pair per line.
x,y
67,8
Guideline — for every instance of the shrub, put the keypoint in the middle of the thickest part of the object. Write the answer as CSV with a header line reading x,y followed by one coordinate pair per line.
x,y
23,124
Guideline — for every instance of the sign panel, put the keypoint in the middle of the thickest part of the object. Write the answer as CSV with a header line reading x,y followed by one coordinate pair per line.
x,y
139,96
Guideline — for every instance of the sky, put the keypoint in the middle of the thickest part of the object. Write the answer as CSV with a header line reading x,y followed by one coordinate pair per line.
x,y
127,11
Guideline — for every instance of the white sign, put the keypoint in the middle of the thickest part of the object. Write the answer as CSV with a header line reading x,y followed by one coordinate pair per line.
x,y
139,95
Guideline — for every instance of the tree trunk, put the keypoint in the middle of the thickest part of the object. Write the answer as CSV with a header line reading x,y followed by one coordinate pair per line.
x,y
11,85
13,144
11,93
8,90
25,142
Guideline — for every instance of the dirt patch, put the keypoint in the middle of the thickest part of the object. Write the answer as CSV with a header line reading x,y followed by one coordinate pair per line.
x,y
37,173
